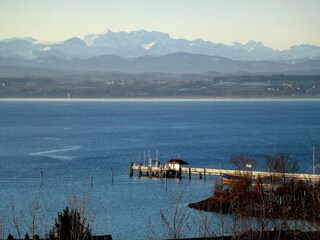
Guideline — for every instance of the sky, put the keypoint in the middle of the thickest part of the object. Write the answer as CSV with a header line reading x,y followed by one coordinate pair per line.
x,y
277,23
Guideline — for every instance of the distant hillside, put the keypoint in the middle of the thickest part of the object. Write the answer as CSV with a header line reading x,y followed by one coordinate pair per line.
x,y
171,63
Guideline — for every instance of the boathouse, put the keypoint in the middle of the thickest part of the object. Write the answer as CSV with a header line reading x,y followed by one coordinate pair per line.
x,y
176,164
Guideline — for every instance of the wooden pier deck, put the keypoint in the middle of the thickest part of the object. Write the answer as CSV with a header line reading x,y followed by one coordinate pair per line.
x,y
165,171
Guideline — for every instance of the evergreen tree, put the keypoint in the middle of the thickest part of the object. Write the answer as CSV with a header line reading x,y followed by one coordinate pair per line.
x,y
71,226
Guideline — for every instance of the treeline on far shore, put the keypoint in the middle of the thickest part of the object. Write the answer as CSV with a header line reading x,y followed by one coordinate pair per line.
x,y
160,85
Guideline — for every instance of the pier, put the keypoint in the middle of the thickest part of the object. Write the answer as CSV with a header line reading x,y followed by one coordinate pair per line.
x,y
175,168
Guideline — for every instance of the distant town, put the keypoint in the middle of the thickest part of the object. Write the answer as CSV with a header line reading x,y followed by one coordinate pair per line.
x,y
160,85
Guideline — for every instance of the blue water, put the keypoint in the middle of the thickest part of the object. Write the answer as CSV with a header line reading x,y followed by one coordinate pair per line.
x,y
73,142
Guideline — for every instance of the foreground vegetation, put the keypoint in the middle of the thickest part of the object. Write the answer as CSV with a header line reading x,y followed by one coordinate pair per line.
x,y
270,208
291,208
74,222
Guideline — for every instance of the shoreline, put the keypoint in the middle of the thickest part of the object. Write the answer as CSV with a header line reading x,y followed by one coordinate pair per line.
x,y
161,99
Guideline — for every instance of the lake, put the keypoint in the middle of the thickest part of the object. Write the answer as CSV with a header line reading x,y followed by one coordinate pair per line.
x,y
75,146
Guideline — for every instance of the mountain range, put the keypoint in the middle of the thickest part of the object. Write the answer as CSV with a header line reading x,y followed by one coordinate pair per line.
x,y
143,51
142,43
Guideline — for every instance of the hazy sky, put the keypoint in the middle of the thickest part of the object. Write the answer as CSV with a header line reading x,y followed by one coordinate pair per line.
x,y
277,23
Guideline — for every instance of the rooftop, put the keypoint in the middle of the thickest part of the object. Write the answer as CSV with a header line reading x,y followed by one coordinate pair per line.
x,y
178,161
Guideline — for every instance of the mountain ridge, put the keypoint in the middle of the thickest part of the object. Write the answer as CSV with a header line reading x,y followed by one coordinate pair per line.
x,y
141,43
180,62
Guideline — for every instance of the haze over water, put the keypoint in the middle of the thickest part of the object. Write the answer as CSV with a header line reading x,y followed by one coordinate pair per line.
x,y
72,141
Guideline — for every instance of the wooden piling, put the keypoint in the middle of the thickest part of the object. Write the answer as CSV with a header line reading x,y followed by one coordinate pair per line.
x,y
139,170
150,171
200,175
112,175
130,169
41,178
189,173
180,173
204,173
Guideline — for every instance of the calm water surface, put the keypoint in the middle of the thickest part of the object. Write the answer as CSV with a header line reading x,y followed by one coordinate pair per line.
x,y
72,142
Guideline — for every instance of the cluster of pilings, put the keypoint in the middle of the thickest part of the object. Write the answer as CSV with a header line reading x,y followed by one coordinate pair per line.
x,y
160,171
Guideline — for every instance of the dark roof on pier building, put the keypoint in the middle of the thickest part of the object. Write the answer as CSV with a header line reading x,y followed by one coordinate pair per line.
x,y
177,161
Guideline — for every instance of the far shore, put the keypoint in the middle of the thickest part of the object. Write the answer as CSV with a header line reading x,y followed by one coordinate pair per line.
x,y
160,99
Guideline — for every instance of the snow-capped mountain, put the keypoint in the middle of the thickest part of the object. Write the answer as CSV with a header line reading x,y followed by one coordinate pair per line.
x,y
131,44
142,43
24,48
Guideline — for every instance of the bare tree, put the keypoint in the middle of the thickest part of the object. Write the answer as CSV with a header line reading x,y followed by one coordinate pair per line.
x,y
2,221
33,220
81,204
15,220
76,220
204,224
280,163
242,162
45,222
175,220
